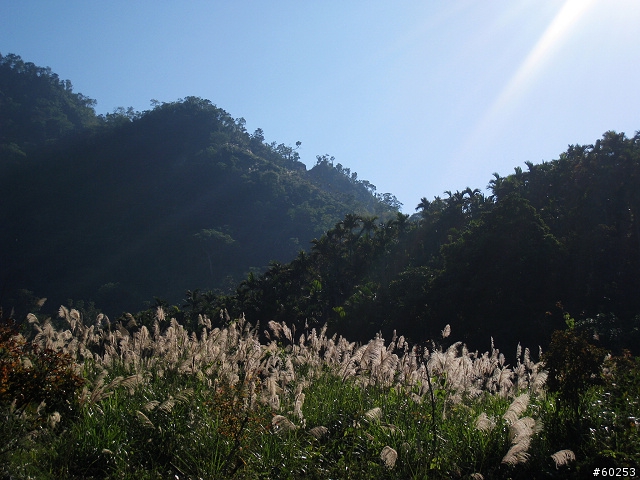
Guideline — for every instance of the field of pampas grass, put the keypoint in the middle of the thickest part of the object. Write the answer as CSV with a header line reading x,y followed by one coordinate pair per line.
x,y
239,402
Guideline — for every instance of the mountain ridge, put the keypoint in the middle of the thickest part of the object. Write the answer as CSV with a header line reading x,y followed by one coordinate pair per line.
x,y
95,204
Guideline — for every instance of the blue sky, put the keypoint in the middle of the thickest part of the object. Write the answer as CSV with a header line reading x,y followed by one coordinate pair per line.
x,y
417,97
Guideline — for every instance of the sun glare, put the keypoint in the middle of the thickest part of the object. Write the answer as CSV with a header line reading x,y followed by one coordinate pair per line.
x,y
553,37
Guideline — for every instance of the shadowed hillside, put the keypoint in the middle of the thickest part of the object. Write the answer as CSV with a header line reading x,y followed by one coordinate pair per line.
x,y
557,241
124,207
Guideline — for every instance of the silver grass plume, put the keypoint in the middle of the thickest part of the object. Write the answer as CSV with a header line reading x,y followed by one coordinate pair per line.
x,y
26,363
167,405
282,424
538,427
319,431
121,330
103,391
502,378
389,456
184,395
72,317
371,355
348,367
131,322
539,379
287,332
275,327
150,405
563,457
41,406
274,402
517,453
484,423
392,344
144,420
131,382
47,336
373,415
387,370
520,431
297,409
75,315
54,419
447,331
205,321
63,312
517,407
522,428
100,319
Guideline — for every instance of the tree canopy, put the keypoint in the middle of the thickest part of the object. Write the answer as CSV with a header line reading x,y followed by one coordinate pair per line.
x,y
129,206
562,237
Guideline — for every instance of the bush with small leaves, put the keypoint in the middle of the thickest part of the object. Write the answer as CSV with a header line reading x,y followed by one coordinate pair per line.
x,y
31,374
574,365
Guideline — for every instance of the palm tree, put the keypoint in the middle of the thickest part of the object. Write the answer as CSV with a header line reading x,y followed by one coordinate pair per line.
x,y
350,222
368,225
423,205
473,201
321,246
495,184
399,223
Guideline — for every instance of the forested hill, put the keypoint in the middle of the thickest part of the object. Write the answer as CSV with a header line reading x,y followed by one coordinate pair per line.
x,y
182,201
131,205
37,109
553,246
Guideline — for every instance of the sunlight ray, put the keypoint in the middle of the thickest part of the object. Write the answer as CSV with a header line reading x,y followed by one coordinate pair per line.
x,y
552,38
555,34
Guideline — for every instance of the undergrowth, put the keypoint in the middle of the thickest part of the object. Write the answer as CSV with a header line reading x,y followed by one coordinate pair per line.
x,y
104,400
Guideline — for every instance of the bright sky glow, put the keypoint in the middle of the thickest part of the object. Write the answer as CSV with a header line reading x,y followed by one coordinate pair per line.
x,y
417,97
567,17
560,27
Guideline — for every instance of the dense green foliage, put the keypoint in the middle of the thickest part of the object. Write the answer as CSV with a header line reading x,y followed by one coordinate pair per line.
x,y
562,237
37,108
564,234
124,207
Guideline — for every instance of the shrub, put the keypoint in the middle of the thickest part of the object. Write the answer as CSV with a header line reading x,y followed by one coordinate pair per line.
x,y
37,385
574,365
31,374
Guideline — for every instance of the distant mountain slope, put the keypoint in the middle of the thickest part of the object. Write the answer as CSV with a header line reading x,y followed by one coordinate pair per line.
x,y
124,207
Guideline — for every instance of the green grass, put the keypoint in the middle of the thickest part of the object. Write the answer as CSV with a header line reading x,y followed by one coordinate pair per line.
x,y
176,406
